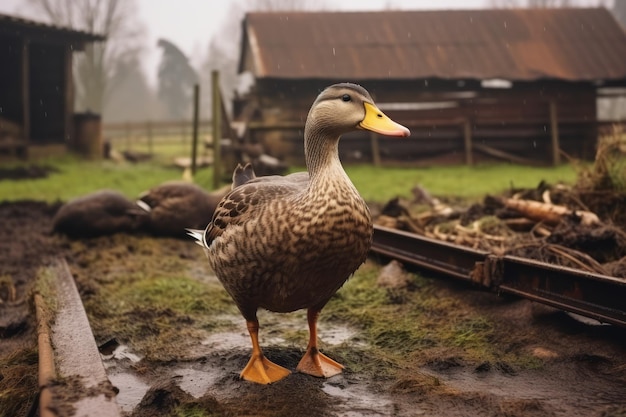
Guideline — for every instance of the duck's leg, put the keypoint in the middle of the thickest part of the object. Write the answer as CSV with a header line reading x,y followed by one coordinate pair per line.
x,y
315,362
259,369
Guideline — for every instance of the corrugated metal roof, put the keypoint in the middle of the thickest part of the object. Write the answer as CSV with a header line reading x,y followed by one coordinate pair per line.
x,y
513,44
18,26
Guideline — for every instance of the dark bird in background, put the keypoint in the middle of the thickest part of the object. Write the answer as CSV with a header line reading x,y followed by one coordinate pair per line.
x,y
286,243
100,213
174,206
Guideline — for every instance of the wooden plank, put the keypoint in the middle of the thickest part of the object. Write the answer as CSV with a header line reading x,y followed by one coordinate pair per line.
x,y
505,155
375,149
68,99
194,136
554,134
467,142
25,90
76,354
217,129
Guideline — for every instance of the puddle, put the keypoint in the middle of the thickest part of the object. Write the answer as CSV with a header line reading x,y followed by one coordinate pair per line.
x,y
359,400
546,387
334,334
131,389
273,327
197,378
227,341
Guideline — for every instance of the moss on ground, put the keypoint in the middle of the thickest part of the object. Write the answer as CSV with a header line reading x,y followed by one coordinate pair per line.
x,y
407,332
141,291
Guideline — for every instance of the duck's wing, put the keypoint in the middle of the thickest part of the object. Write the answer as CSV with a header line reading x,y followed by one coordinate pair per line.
x,y
249,199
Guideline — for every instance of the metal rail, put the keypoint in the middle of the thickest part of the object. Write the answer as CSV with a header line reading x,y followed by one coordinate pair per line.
x,y
597,296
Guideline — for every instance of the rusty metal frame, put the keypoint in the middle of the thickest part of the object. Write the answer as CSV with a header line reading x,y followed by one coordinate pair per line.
x,y
597,296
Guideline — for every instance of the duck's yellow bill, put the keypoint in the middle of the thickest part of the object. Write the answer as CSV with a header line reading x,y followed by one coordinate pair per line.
x,y
377,121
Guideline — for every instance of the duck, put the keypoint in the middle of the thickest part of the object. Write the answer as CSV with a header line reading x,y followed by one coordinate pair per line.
x,y
100,213
286,243
174,206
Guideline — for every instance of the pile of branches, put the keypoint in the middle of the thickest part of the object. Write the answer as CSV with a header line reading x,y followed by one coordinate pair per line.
x,y
580,227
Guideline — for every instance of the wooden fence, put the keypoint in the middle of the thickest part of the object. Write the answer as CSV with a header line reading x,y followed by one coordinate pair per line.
x,y
129,135
446,136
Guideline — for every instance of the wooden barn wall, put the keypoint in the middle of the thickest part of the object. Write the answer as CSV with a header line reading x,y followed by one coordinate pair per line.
x,y
11,103
515,120
47,93
36,92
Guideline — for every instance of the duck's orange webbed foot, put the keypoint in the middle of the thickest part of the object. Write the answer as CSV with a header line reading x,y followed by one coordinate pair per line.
x,y
260,369
263,371
317,364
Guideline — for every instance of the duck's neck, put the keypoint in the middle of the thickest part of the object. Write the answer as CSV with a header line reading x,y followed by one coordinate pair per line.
x,y
321,153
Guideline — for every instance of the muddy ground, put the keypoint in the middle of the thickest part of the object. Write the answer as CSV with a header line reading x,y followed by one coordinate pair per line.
x,y
434,348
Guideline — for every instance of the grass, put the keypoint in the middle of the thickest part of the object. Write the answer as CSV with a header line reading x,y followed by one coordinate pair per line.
x,y
76,177
142,293
18,385
382,184
427,324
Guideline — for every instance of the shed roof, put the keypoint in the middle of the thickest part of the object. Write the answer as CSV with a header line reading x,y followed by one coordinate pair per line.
x,y
513,44
20,27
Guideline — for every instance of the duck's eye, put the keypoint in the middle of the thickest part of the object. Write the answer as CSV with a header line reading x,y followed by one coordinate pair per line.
x,y
346,97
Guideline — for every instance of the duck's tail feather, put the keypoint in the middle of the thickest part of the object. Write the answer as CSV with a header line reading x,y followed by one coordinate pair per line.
x,y
143,205
243,174
198,236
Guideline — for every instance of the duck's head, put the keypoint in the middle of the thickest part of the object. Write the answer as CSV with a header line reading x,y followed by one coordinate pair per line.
x,y
346,107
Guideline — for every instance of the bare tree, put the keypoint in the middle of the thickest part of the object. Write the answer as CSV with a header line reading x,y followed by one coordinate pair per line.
x,y
223,51
98,69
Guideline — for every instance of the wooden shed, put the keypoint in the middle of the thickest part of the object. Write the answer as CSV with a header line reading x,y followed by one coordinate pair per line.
x,y
472,85
36,87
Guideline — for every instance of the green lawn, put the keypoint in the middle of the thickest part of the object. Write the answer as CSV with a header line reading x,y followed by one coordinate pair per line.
x,y
76,177
382,184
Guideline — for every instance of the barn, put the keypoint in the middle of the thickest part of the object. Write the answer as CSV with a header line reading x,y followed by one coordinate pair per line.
x,y
472,85
36,87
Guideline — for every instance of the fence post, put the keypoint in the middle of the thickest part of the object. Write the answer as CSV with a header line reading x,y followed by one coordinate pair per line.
x,y
149,134
467,140
127,136
194,138
375,149
217,128
554,133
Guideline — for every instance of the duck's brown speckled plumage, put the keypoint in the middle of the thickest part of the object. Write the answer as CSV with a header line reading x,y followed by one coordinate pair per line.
x,y
288,243
297,246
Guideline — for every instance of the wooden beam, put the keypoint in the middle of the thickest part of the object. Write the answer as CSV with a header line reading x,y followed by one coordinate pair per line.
x,y
554,133
375,149
217,129
467,142
506,156
194,136
68,111
25,71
